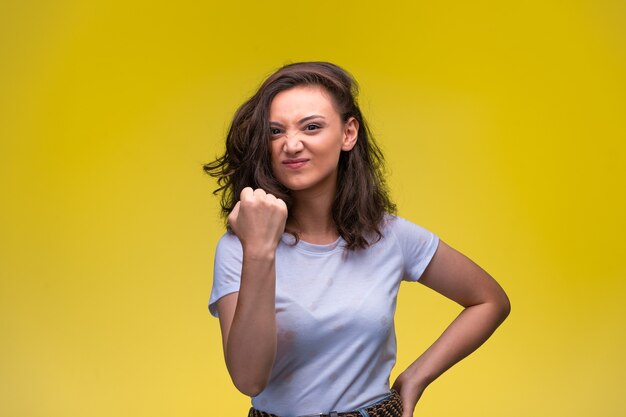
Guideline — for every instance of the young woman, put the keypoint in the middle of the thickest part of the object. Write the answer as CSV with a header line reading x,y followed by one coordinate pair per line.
x,y
307,274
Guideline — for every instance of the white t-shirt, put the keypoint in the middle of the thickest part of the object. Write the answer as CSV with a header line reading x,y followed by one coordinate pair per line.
x,y
334,316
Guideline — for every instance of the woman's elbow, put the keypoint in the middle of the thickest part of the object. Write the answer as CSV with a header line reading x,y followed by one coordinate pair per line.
x,y
504,306
251,390
248,386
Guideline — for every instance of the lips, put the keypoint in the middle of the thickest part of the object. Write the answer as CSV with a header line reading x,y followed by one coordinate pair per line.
x,y
295,163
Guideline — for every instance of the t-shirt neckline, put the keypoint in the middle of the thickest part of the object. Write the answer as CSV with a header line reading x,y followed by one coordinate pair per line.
x,y
289,239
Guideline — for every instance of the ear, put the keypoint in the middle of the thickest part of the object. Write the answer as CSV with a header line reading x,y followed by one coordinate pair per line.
x,y
350,133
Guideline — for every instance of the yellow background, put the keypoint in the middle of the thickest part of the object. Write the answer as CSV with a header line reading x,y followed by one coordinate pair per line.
x,y
504,129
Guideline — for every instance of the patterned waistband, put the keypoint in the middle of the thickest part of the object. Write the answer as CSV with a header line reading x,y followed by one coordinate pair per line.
x,y
390,406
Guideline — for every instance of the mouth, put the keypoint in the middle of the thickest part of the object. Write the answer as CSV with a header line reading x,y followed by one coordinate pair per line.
x,y
295,163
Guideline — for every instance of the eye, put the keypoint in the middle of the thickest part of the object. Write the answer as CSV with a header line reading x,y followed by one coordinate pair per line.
x,y
274,131
312,127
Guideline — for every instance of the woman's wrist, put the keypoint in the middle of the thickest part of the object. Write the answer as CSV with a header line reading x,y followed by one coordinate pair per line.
x,y
418,375
257,253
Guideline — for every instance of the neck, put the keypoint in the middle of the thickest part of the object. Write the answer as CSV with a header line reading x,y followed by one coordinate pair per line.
x,y
312,217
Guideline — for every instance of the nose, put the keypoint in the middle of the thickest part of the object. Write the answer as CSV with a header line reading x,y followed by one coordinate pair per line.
x,y
292,144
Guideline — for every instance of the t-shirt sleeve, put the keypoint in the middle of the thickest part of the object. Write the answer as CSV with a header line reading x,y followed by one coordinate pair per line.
x,y
418,246
226,270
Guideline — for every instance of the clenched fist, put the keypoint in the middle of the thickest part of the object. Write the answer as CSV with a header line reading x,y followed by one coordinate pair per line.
x,y
258,219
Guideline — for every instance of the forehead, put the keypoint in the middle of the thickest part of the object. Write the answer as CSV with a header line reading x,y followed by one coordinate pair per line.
x,y
301,101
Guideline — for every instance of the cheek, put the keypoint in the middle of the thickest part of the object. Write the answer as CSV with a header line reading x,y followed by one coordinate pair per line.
x,y
275,154
330,153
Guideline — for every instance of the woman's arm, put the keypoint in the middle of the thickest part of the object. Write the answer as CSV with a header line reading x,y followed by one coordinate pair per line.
x,y
455,276
248,318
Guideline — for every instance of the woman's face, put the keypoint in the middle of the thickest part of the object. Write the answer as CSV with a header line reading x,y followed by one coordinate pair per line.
x,y
307,137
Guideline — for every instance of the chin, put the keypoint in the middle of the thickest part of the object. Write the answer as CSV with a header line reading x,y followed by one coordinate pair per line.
x,y
290,182
304,182
294,186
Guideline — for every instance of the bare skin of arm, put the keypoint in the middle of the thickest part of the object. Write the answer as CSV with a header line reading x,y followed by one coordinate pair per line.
x,y
248,317
456,277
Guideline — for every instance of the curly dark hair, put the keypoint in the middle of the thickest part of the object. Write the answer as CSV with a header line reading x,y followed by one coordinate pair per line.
x,y
361,199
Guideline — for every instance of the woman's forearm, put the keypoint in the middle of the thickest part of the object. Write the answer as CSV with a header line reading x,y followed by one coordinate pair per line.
x,y
251,347
466,333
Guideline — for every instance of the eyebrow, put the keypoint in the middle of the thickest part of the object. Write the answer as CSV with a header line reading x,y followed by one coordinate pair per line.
x,y
304,119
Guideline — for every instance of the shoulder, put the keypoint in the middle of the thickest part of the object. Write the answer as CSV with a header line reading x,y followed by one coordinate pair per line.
x,y
396,224
417,245
405,231
228,245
